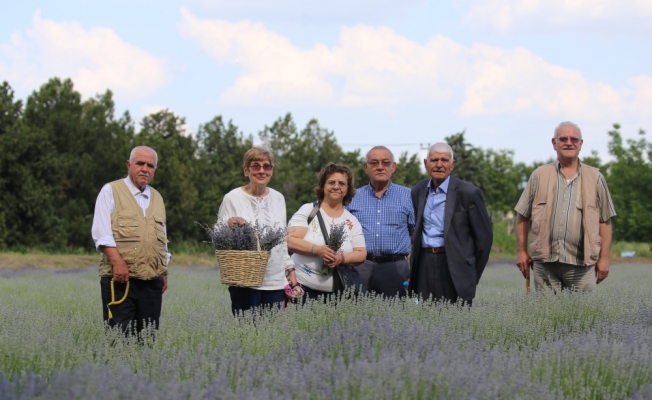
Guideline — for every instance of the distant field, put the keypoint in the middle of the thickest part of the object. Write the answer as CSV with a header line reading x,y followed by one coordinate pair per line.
x,y
568,346
55,261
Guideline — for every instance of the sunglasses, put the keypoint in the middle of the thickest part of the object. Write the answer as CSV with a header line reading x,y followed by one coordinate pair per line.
x,y
257,167
564,139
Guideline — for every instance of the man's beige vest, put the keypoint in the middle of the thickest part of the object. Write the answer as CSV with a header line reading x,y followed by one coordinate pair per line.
x,y
544,202
140,239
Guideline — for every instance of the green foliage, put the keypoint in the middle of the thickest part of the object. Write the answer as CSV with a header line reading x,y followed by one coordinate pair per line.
x,y
628,177
300,155
504,244
409,170
58,151
176,170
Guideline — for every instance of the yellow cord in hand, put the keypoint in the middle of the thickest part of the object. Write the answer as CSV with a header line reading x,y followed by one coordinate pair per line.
x,y
113,302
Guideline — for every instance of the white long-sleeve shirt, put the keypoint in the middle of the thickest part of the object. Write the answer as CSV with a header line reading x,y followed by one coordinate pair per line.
x,y
104,206
269,210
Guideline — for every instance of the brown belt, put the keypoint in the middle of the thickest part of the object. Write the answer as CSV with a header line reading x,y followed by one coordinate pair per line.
x,y
434,249
383,258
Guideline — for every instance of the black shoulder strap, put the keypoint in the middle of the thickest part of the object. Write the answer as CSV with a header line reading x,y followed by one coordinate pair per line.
x,y
315,210
322,226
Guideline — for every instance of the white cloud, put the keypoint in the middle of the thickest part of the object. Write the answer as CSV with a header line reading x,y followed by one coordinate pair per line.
x,y
376,66
302,12
153,109
607,17
96,60
642,95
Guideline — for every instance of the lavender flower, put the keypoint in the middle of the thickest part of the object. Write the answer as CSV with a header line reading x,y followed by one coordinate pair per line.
x,y
336,236
269,236
244,237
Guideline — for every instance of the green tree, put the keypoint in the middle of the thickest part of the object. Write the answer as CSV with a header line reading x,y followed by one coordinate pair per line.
x,y
165,132
468,161
219,165
409,170
628,177
299,156
58,156
10,137
503,179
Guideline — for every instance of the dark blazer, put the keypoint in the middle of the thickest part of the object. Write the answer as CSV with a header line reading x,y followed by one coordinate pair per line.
x,y
467,235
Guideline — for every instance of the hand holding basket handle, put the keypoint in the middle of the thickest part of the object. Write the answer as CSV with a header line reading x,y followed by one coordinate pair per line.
x,y
235,221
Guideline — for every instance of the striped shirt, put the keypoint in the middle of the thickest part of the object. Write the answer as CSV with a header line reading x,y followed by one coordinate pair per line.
x,y
567,235
387,222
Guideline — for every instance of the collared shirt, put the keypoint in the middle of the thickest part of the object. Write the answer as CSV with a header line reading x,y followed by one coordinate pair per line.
x,y
433,215
104,206
387,222
567,235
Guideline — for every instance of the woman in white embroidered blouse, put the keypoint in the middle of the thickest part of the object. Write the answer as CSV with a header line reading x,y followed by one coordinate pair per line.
x,y
336,189
255,202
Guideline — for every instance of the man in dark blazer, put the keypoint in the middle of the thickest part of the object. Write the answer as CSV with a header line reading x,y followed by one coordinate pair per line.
x,y
453,234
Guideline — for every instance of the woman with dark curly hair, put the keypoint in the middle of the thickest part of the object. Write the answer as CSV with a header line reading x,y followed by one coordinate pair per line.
x,y
314,260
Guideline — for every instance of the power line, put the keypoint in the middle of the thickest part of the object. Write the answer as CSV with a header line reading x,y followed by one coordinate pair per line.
x,y
388,145
422,146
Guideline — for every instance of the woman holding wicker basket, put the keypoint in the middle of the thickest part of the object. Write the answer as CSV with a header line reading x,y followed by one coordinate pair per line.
x,y
324,235
255,203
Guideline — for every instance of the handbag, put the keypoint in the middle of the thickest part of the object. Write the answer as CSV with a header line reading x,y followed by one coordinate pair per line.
x,y
344,277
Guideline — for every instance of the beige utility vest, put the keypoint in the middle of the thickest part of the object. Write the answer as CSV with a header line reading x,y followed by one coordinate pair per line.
x,y
140,239
544,202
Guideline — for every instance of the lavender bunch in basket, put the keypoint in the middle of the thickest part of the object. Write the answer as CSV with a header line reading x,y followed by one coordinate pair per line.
x,y
269,236
336,237
244,237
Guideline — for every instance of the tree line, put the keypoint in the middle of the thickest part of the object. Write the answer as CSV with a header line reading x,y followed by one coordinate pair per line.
x,y
57,151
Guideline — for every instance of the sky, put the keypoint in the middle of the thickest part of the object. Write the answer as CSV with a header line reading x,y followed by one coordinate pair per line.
x,y
399,73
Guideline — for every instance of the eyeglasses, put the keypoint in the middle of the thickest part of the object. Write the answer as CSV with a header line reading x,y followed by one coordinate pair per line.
x,y
375,163
564,139
336,183
257,167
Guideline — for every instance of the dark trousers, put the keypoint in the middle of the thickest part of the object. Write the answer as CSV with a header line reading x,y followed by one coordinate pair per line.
x,y
385,278
314,294
435,281
243,299
141,308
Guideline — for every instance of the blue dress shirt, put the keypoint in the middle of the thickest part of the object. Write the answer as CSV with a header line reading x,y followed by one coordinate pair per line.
x,y
387,222
433,215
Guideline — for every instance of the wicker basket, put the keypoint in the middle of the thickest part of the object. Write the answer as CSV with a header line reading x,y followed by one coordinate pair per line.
x,y
243,268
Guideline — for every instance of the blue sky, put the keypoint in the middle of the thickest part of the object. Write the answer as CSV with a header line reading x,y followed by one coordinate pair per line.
x,y
398,73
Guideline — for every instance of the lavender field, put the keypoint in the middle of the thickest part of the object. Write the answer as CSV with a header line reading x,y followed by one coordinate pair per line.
x,y
570,346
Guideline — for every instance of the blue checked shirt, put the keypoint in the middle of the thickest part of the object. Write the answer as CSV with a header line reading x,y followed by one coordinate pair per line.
x,y
387,222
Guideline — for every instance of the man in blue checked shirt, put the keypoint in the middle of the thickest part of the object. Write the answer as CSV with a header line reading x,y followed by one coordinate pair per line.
x,y
386,214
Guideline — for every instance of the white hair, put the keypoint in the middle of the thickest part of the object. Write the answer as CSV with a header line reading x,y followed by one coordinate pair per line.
x,y
379,148
133,153
568,123
441,147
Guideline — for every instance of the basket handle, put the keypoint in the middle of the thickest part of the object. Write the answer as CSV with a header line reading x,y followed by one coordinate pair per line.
x,y
257,241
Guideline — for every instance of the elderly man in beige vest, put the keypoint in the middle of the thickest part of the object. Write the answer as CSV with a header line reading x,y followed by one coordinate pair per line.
x,y
129,229
571,209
